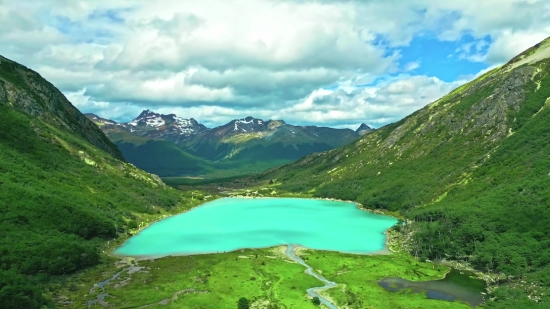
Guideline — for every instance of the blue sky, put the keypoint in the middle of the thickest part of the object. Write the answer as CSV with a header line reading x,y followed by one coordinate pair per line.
x,y
443,59
316,62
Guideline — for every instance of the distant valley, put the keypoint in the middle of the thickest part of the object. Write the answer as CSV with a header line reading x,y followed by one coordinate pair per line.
x,y
168,145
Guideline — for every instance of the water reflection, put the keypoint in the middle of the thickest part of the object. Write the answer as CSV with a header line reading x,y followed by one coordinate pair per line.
x,y
456,285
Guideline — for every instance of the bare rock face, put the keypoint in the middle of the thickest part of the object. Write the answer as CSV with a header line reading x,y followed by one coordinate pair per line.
x,y
26,90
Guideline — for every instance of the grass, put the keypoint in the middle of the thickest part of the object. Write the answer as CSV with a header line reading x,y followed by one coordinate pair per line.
x,y
358,275
226,277
261,275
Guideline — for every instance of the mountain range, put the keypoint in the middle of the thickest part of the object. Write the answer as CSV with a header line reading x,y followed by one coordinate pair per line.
x,y
169,145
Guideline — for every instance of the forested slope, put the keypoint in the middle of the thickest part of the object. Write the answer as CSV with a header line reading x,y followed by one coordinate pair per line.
x,y
471,170
63,192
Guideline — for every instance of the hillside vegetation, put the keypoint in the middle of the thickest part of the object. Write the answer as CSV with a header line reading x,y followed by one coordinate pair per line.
x,y
61,197
470,171
170,146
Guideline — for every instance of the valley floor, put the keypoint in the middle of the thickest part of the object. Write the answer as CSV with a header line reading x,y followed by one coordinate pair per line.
x,y
267,277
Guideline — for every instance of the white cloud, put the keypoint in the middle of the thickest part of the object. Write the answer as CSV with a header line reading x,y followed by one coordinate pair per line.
x,y
509,44
216,60
375,105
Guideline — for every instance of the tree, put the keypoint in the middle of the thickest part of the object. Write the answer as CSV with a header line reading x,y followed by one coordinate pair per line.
x,y
243,303
316,301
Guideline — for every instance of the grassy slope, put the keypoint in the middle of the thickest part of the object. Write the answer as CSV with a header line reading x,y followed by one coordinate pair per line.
x,y
166,159
470,169
61,198
163,158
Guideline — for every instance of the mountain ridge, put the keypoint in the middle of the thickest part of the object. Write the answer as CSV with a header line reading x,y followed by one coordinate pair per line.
x,y
468,172
25,90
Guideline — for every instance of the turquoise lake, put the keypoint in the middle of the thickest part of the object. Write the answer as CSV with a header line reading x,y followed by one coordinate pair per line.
x,y
229,224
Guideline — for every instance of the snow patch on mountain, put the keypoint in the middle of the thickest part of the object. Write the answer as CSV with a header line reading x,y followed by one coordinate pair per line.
x,y
155,122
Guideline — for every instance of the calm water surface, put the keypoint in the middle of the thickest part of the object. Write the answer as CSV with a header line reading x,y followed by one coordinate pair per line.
x,y
233,223
456,285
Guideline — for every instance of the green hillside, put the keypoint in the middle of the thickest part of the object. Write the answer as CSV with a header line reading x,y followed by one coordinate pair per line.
x,y
61,197
470,171
166,159
163,158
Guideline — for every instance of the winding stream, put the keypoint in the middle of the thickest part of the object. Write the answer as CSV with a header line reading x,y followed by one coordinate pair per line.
x,y
100,298
313,292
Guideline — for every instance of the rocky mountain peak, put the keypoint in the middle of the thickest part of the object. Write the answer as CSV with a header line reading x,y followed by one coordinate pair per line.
x,y
364,129
153,125
248,124
148,118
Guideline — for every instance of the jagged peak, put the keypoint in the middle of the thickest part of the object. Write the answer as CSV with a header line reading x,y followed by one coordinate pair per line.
x,y
364,127
145,113
149,119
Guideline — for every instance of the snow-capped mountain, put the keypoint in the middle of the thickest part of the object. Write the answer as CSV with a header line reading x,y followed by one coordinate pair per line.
x,y
250,141
167,127
153,125
247,124
272,139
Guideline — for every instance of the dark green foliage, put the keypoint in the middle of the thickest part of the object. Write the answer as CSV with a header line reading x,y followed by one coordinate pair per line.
x,y
243,303
500,219
167,159
132,224
279,151
163,158
316,301
17,292
55,210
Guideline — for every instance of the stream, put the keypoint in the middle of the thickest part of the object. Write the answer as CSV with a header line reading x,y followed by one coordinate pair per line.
x,y
100,298
313,292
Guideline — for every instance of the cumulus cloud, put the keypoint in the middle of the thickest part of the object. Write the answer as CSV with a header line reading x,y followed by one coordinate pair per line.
x,y
324,62
376,105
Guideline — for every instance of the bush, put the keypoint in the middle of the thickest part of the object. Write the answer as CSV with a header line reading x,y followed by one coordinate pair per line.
x,y
243,303
316,301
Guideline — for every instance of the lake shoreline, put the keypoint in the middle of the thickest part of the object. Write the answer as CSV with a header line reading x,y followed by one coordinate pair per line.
x,y
386,250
